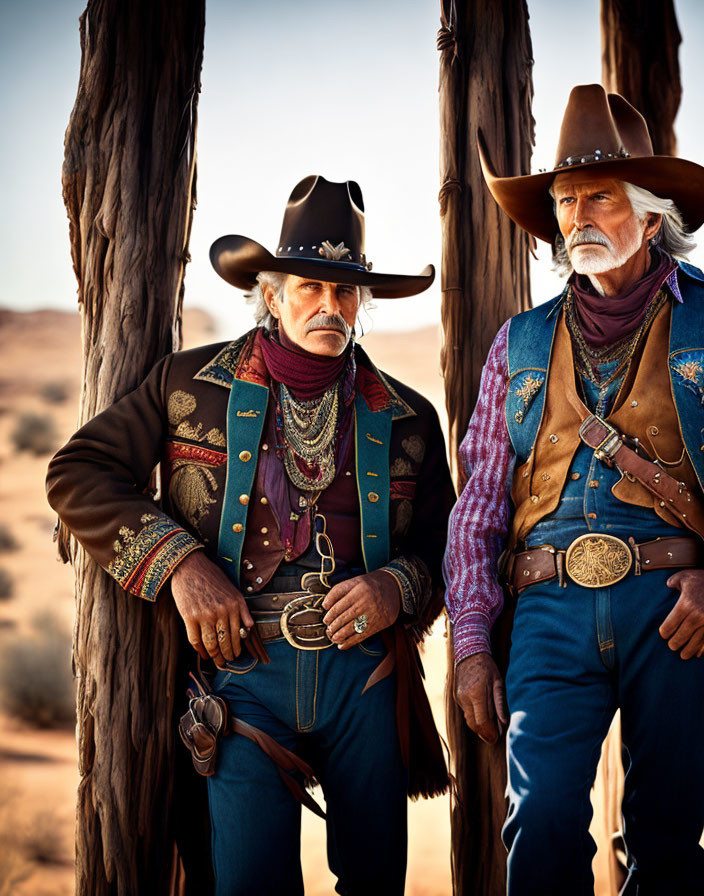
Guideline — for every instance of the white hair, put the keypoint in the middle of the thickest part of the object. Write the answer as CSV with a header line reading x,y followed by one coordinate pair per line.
x,y
276,281
672,237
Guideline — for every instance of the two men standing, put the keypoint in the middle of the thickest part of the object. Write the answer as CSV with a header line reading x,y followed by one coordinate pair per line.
x,y
306,499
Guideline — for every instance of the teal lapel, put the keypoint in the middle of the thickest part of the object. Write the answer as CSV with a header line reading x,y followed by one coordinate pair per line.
x,y
246,411
372,444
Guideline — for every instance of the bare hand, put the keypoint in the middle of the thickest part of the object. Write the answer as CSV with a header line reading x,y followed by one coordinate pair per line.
x,y
480,694
684,627
375,595
213,611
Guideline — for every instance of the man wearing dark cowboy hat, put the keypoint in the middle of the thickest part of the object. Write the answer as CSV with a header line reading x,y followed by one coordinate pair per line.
x,y
585,462
305,504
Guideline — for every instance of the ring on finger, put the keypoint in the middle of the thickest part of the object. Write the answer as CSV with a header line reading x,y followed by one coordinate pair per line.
x,y
222,634
360,623
243,632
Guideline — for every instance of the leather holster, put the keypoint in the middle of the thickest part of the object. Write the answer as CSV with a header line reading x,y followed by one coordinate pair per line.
x,y
201,728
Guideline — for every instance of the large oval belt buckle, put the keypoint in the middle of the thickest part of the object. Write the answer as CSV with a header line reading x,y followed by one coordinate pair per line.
x,y
302,623
597,561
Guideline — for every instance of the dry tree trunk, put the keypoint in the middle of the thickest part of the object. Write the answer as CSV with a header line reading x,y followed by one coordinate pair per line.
x,y
639,45
485,83
129,189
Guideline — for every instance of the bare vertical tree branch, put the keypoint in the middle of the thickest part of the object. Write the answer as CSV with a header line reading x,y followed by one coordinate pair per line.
x,y
485,83
639,59
129,190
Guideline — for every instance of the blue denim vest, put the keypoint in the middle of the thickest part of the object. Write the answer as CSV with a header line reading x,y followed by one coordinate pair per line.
x,y
587,504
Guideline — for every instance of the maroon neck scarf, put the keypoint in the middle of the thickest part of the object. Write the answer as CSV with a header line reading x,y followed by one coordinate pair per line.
x,y
604,320
307,375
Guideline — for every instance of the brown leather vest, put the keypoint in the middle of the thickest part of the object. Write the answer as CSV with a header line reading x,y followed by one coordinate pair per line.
x,y
644,409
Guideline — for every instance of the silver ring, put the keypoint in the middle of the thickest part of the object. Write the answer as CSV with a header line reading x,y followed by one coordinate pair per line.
x,y
243,633
222,634
361,623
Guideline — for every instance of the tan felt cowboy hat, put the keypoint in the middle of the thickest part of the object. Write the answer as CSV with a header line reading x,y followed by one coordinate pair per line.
x,y
322,237
605,134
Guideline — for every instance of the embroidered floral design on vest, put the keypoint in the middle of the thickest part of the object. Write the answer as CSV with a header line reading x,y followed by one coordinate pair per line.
x,y
528,387
689,368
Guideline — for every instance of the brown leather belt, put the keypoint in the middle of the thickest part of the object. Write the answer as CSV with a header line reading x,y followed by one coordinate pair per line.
x,y
598,560
296,616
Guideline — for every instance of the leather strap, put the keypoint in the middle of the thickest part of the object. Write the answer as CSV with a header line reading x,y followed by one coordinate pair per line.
x,y
286,762
610,447
542,563
274,602
266,611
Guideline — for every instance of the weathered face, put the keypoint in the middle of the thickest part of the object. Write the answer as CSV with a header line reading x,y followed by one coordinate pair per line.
x,y
318,316
595,217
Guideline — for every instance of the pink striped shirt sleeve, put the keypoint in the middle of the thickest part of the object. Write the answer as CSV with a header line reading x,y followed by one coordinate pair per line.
x,y
479,522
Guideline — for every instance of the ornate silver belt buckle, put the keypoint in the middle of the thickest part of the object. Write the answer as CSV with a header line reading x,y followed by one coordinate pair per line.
x,y
597,561
298,617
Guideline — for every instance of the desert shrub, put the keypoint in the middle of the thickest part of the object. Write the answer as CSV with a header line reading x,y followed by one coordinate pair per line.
x,y
56,391
36,684
14,867
8,542
35,433
7,584
43,840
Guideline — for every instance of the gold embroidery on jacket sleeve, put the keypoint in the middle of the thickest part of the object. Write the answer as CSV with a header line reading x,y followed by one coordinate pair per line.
x,y
144,559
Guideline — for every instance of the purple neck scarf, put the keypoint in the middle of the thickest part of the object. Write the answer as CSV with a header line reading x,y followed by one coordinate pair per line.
x,y
604,320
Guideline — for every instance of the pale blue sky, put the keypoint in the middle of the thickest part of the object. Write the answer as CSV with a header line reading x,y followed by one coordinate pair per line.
x,y
344,90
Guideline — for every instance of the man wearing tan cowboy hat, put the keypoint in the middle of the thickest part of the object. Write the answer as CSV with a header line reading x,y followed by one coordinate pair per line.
x,y
585,463
306,497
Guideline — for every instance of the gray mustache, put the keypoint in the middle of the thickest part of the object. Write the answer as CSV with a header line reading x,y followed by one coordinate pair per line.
x,y
328,322
588,235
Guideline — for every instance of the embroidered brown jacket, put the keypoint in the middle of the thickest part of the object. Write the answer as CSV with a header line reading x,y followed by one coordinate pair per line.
x,y
176,419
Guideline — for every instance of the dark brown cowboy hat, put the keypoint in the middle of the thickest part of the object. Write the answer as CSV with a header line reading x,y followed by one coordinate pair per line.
x,y
605,134
322,237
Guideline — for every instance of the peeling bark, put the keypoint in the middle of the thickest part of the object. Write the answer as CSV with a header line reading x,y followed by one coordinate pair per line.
x,y
129,190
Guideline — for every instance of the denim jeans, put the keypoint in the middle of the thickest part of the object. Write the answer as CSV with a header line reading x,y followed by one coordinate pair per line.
x,y
312,703
577,654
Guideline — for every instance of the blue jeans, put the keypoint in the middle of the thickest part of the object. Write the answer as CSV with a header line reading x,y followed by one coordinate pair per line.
x,y
311,702
577,654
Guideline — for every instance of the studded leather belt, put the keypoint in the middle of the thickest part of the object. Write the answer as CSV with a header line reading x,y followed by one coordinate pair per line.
x,y
598,560
296,616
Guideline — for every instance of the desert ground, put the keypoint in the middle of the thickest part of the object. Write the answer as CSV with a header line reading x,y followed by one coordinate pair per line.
x,y
40,374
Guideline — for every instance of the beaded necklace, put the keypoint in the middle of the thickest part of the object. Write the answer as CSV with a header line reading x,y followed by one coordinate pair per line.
x,y
307,437
588,359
